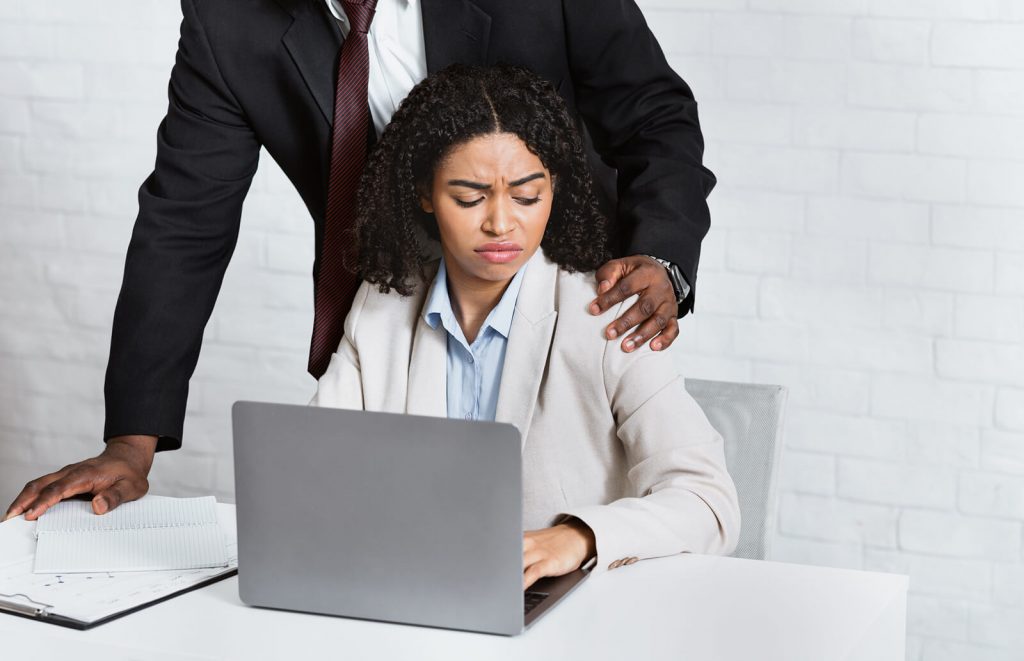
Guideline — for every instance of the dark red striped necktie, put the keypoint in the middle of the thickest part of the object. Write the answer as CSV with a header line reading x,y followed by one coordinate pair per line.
x,y
335,285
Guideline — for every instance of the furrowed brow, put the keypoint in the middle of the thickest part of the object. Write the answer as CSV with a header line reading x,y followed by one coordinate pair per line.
x,y
475,185
520,182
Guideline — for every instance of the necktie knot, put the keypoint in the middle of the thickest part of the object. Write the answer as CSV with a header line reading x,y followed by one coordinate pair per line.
x,y
360,14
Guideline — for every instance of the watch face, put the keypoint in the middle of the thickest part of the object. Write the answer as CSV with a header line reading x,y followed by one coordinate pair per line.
x,y
675,276
678,283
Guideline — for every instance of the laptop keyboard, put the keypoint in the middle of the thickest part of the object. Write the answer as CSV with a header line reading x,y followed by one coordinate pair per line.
x,y
532,599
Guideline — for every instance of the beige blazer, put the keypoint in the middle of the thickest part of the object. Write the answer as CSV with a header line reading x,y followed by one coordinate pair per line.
x,y
609,437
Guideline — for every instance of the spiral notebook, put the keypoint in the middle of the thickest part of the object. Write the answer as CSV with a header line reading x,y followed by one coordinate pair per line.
x,y
82,600
144,535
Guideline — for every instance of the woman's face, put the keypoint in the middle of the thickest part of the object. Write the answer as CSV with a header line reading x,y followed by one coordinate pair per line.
x,y
492,198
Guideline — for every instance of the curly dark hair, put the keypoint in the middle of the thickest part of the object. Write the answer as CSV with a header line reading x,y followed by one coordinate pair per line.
x,y
448,109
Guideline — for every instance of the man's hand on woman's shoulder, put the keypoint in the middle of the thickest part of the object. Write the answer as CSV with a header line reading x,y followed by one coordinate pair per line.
x,y
117,475
653,315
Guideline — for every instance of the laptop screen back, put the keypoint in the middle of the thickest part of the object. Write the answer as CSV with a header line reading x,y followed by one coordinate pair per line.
x,y
379,516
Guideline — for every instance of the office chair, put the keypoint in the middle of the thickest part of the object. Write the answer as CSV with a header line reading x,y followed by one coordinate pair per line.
x,y
749,418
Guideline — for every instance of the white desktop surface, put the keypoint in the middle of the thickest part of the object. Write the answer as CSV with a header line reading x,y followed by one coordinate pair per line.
x,y
680,607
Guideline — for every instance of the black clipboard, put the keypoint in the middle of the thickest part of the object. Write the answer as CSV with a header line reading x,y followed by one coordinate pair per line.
x,y
21,605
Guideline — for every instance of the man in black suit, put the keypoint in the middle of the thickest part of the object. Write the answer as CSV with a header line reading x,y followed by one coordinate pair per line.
x,y
262,73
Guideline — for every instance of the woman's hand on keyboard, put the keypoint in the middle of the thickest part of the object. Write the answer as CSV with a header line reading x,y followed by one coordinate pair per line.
x,y
557,550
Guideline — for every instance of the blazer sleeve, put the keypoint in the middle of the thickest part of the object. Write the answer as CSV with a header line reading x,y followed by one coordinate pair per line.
x,y
341,386
643,120
686,499
184,236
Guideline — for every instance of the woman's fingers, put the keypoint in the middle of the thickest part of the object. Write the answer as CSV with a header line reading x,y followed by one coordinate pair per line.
x,y
535,572
530,576
553,551
533,557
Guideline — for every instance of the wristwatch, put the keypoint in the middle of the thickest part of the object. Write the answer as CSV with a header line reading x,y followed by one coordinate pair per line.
x,y
675,276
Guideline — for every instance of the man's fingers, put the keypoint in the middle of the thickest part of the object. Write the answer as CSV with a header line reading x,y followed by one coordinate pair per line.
x,y
119,492
659,322
30,492
667,337
122,464
610,272
645,308
610,278
72,484
108,499
618,292
21,502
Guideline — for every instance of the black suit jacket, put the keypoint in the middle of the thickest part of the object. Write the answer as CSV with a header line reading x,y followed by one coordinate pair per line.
x,y
252,73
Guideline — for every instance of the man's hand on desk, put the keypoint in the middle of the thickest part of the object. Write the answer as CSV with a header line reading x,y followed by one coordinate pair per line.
x,y
556,551
116,475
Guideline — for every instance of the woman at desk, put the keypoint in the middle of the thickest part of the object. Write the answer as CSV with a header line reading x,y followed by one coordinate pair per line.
x,y
618,460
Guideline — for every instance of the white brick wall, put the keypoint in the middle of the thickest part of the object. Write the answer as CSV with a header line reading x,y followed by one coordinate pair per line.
x,y
867,250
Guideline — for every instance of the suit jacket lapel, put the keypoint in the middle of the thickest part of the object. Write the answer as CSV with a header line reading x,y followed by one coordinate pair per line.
x,y
455,31
312,41
529,344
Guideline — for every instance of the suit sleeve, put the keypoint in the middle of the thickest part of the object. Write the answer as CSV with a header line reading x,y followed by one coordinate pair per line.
x,y
184,236
642,118
686,501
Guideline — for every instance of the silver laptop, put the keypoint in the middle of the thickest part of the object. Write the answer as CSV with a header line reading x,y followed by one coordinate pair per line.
x,y
386,517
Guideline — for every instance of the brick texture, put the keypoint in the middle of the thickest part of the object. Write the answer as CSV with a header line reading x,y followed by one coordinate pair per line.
x,y
866,250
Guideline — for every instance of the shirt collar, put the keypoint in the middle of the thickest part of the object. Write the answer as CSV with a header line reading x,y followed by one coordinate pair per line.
x,y
439,305
339,11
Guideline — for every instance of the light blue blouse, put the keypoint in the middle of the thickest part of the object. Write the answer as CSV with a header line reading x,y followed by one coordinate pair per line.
x,y
474,370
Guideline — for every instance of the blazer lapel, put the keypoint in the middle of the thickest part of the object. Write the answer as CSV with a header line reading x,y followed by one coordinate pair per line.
x,y
529,343
455,31
428,368
428,372
312,41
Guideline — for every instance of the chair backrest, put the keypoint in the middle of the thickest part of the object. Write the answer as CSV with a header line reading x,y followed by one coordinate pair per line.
x,y
749,418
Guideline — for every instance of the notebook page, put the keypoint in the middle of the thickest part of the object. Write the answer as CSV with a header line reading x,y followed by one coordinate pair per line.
x,y
153,533
149,512
90,597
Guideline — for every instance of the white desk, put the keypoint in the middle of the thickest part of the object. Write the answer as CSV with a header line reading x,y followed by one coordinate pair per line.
x,y
683,607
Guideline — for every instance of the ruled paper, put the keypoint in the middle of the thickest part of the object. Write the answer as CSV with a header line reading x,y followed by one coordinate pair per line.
x,y
153,533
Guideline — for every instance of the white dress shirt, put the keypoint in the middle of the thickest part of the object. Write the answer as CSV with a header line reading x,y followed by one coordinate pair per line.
x,y
474,370
398,60
398,57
